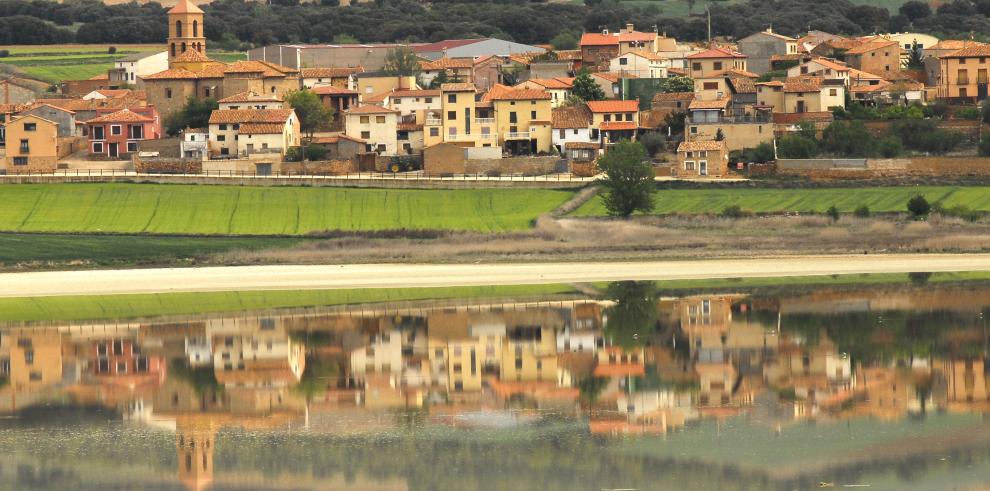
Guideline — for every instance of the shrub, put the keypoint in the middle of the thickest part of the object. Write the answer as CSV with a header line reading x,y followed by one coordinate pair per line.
x,y
972,113
862,211
653,141
890,147
796,147
919,206
833,213
293,154
112,50
762,153
984,146
315,152
4,53
985,110
735,211
963,212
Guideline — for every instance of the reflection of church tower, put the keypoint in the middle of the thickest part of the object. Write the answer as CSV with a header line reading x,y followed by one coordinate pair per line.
x,y
195,451
185,29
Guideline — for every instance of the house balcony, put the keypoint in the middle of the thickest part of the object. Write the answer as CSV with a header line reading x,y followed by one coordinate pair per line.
x,y
759,118
432,122
518,135
484,120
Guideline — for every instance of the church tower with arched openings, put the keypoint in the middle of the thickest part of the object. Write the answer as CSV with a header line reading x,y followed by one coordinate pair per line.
x,y
185,29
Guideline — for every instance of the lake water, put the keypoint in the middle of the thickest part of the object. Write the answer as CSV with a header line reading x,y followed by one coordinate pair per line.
x,y
621,386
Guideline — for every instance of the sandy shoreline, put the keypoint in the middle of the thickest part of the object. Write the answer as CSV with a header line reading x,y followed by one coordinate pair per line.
x,y
280,277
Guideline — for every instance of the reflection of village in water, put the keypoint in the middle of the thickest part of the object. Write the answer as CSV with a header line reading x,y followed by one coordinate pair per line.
x,y
637,364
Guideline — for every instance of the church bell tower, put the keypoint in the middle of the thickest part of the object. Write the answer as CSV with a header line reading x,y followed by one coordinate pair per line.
x,y
185,29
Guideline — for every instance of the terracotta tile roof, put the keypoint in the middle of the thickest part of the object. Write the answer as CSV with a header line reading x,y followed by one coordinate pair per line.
x,y
794,118
446,63
743,85
716,52
677,71
11,108
825,62
981,51
191,56
855,74
617,126
872,46
331,90
35,105
261,128
409,127
172,74
774,35
718,104
790,57
772,83
458,87
376,98
842,43
552,83
612,76
335,138
329,72
122,116
568,54
185,7
598,39
644,54
113,92
228,116
701,145
626,37
370,109
862,89
731,72
263,67
672,96
581,146
803,84
249,96
613,106
571,117
500,92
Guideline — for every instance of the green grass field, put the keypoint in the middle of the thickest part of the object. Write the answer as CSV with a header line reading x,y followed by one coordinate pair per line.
x,y
885,199
230,210
150,305
56,63
124,250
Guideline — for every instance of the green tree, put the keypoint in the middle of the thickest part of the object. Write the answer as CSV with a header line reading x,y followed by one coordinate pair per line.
x,y
833,213
195,114
916,58
919,206
564,40
796,147
808,130
890,147
915,10
984,147
985,110
848,139
586,88
629,184
654,142
313,115
632,319
401,61
862,211
675,84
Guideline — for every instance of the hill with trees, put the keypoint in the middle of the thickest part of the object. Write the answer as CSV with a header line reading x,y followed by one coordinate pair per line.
x,y
236,23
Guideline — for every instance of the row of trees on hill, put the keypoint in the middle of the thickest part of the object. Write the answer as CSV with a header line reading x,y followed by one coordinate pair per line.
x,y
233,22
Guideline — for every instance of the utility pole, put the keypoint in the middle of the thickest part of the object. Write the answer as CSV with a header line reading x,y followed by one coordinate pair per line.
x,y
708,9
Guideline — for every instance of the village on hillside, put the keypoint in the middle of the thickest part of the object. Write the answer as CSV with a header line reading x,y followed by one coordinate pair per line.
x,y
498,108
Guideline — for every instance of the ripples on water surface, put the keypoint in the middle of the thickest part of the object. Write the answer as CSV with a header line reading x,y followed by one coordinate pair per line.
x,y
628,385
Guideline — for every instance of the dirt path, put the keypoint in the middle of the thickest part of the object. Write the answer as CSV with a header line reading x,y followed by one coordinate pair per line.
x,y
445,275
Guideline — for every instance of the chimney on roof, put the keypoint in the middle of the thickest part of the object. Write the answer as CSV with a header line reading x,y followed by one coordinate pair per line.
x,y
629,27
605,30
